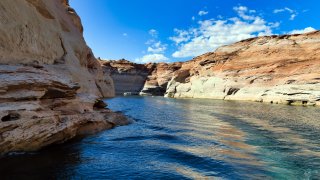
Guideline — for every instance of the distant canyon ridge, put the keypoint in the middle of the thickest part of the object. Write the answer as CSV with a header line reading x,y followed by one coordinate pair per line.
x,y
273,69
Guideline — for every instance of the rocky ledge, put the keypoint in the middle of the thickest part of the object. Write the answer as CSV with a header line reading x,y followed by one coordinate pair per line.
x,y
50,82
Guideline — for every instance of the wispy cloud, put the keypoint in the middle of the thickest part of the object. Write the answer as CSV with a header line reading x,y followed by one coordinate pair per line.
x,y
301,31
212,33
202,13
152,58
293,13
125,34
154,33
181,36
155,49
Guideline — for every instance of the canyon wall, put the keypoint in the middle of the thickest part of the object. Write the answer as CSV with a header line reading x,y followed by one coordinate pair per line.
x,y
50,82
274,69
127,77
139,79
158,78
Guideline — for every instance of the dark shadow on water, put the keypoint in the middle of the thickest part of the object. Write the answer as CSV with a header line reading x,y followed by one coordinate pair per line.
x,y
54,162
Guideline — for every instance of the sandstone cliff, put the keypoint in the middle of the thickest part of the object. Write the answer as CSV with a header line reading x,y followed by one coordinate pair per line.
x,y
275,69
127,76
49,78
143,79
157,81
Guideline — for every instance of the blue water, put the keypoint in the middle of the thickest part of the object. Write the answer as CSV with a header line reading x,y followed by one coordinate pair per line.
x,y
186,139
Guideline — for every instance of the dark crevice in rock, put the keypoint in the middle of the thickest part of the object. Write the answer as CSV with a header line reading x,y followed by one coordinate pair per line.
x,y
92,66
61,60
60,91
54,93
232,91
99,104
290,81
206,62
99,88
297,102
182,76
11,117
298,93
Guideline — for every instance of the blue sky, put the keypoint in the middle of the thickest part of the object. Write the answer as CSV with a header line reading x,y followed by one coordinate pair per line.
x,y
178,30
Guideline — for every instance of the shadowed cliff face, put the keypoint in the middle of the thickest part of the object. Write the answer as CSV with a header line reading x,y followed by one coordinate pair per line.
x,y
49,78
143,79
127,76
274,69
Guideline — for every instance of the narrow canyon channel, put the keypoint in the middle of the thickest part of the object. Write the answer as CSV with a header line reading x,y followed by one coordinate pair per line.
x,y
186,139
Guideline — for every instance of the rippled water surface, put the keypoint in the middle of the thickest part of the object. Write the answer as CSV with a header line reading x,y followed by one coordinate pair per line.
x,y
186,139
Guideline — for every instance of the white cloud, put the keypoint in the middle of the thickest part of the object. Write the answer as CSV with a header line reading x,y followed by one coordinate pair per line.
x,y
278,11
193,18
182,36
293,16
242,10
301,31
202,13
293,13
157,47
125,34
212,34
152,58
290,10
153,33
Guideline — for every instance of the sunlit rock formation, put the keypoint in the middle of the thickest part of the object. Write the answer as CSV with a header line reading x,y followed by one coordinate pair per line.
x,y
50,81
275,69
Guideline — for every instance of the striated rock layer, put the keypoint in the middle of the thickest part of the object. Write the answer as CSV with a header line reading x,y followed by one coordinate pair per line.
x,y
128,77
143,79
49,78
157,81
275,69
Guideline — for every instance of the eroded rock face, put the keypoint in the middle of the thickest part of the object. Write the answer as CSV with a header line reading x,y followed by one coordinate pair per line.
x,y
157,80
49,78
127,77
144,79
276,69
